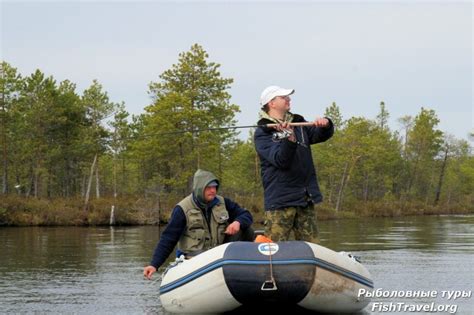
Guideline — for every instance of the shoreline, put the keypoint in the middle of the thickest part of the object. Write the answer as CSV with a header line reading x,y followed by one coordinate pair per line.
x,y
20,211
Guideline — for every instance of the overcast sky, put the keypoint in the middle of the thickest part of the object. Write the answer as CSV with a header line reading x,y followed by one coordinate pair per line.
x,y
408,54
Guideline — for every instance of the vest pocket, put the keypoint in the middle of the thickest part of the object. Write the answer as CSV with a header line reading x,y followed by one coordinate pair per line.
x,y
195,220
221,218
197,237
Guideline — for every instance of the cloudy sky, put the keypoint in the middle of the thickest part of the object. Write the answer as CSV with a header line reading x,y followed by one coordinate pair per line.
x,y
409,54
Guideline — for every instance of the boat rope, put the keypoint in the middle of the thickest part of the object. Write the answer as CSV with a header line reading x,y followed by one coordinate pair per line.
x,y
270,285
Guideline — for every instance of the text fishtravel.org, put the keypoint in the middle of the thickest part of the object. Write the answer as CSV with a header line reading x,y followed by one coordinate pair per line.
x,y
404,307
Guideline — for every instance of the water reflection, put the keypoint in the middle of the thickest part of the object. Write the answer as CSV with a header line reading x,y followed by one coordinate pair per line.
x,y
99,270
446,233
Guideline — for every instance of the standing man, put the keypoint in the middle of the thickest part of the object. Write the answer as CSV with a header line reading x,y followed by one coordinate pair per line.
x,y
201,221
288,175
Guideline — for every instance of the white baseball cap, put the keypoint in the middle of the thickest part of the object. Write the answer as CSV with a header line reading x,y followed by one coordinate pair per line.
x,y
273,91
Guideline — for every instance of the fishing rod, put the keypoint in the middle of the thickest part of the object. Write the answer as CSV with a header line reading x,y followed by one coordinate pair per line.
x,y
296,124
277,136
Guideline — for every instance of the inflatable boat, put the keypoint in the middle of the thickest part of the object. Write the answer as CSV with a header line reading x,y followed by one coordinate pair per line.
x,y
285,273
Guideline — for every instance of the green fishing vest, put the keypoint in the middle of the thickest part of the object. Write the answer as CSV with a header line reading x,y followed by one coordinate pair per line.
x,y
198,235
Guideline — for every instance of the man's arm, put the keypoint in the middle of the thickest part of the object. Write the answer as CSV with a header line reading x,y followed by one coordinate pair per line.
x,y
168,240
280,154
320,133
238,214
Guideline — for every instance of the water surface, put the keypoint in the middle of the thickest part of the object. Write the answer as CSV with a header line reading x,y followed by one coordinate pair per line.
x,y
99,270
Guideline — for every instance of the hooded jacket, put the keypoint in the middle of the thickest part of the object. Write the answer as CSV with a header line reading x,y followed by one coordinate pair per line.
x,y
205,223
287,168
178,224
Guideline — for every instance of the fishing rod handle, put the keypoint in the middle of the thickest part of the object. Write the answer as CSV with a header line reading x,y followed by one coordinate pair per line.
x,y
306,123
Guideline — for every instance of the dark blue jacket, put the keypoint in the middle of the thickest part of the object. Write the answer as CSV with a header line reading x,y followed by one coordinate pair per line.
x,y
177,224
287,169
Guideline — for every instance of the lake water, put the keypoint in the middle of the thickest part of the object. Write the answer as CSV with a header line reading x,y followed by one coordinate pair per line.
x,y
98,270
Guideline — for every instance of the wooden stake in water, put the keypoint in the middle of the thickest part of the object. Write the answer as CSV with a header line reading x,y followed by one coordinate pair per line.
x,y
112,215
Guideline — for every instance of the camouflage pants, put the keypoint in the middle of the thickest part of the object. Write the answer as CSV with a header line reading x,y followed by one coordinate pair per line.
x,y
300,220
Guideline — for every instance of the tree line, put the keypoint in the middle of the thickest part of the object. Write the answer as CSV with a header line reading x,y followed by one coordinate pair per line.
x,y
59,143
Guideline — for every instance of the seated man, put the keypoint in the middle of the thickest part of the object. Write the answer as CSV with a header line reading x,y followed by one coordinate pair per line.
x,y
201,221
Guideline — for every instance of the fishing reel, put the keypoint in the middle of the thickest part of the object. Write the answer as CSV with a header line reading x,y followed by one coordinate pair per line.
x,y
284,134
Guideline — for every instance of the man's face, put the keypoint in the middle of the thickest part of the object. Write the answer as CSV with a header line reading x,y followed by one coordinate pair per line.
x,y
210,193
281,103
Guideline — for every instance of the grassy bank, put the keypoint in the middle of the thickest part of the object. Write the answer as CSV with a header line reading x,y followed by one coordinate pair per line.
x,y
21,211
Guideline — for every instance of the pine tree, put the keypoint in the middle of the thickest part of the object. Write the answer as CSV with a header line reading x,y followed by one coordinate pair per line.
x,y
382,117
10,85
98,108
333,112
424,143
190,96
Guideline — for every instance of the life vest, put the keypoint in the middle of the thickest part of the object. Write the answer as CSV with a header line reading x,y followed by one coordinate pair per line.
x,y
199,235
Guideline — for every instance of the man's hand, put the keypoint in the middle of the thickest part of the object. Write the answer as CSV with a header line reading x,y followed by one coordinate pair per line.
x,y
233,228
286,126
149,271
321,122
